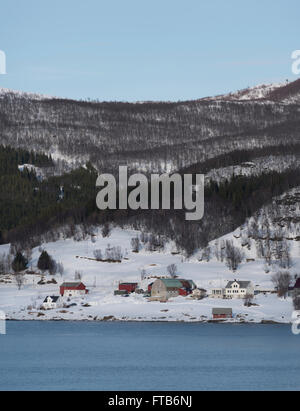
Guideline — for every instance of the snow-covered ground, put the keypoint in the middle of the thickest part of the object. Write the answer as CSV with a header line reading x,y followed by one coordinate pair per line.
x,y
102,279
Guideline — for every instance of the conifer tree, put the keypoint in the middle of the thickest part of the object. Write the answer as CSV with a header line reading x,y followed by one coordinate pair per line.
x,y
19,263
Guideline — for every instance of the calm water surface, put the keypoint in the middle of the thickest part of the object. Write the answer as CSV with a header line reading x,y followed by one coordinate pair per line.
x,y
148,356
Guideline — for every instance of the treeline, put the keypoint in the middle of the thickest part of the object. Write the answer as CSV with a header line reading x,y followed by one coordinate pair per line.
x,y
10,158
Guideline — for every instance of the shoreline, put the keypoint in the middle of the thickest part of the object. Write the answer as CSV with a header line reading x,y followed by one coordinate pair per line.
x,y
117,320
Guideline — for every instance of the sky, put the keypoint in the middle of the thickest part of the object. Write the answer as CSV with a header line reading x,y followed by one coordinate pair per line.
x,y
137,50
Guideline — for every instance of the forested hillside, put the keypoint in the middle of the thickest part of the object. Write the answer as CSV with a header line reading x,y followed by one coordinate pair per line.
x,y
150,135
247,146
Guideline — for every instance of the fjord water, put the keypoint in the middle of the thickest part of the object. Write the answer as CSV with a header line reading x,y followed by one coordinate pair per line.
x,y
148,356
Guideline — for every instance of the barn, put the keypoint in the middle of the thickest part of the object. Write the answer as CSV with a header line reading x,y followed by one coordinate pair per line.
x,y
165,288
73,289
129,287
221,313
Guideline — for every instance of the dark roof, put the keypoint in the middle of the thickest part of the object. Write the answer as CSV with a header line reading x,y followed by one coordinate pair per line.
x,y
71,284
220,311
242,284
171,283
54,298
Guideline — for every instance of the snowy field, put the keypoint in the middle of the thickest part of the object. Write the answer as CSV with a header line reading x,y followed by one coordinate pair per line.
x,y
102,279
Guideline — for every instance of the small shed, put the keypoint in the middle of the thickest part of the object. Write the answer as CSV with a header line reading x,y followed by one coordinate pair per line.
x,y
221,313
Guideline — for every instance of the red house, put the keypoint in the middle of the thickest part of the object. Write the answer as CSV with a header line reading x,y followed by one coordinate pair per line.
x,y
221,313
129,287
73,289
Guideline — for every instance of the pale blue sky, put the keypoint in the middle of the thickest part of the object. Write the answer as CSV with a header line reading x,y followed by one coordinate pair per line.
x,y
146,50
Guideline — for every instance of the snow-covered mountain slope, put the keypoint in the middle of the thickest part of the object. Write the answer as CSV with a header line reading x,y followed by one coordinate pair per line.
x,y
271,235
150,135
287,92
23,94
258,92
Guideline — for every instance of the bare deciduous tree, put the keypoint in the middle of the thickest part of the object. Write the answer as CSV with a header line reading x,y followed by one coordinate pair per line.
x,y
78,275
5,263
106,230
20,279
143,274
281,281
206,254
172,270
60,269
113,253
98,254
234,256
135,244
248,300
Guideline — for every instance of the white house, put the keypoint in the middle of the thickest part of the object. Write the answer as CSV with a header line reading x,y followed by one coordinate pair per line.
x,y
52,302
238,289
217,293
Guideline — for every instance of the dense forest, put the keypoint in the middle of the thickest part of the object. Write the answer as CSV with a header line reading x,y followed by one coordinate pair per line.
x,y
33,210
